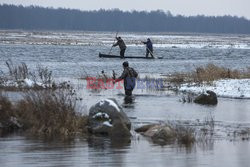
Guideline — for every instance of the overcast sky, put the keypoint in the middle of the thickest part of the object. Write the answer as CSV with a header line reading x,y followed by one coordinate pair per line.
x,y
184,7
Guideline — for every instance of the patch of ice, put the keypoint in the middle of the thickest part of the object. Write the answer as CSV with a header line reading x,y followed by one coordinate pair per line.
x,y
232,88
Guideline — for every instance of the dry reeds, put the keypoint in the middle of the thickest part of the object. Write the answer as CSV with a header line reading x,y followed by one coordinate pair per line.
x,y
15,78
6,110
50,113
17,72
47,112
45,75
212,72
207,74
185,135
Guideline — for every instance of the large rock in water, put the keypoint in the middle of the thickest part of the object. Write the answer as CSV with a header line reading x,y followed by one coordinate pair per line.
x,y
209,98
107,117
160,134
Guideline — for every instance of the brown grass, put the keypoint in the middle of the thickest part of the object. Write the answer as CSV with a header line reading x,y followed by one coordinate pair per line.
x,y
184,134
177,78
8,122
17,72
50,113
212,72
6,108
45,75
46,113
207,74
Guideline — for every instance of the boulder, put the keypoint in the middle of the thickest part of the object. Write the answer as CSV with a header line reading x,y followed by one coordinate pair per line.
x,y
144,128
165,134
107,117
161,134
119,130
208,98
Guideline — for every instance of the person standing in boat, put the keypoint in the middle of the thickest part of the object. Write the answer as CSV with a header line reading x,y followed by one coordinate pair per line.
x,y
149,47
121,45
129,76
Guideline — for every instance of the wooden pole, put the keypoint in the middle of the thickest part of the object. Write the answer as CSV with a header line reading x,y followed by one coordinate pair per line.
x,y
113,43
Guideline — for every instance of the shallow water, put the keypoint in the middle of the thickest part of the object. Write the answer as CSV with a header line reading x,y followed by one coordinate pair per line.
x,y
74,61
20,151
70,62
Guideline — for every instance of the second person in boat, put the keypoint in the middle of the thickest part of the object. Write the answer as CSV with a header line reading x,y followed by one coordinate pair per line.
x,y
121,45
149,47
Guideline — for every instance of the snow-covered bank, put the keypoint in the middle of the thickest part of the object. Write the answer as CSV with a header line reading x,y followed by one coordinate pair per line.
x,y
24,83
231,88
184,41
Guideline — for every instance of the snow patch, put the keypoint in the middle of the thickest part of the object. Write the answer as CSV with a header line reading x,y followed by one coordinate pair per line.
x,y
107,123
23,83
101,115
111,103
232,88
30,83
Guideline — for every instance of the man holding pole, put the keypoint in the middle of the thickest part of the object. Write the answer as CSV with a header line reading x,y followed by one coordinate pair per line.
x,y
149,47
121,45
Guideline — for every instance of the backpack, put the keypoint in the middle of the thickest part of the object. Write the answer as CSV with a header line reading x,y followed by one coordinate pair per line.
x,y
133,73
131,80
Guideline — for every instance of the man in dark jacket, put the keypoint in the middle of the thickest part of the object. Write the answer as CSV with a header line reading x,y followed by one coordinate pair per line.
x,y
121,45
129,76
149,47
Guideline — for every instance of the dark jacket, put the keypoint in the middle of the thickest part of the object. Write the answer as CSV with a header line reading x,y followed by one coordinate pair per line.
x,y
120,43
129,76
149,45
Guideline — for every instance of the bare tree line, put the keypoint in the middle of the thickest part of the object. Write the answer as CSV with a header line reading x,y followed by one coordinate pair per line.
x,y
39,18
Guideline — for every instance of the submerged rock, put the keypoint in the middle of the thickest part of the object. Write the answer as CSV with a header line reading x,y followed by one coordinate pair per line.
x,y
209,98
144,128
107,117
165,134
160,134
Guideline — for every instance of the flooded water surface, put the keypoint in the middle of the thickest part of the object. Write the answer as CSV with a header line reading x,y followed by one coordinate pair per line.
x,y
73,55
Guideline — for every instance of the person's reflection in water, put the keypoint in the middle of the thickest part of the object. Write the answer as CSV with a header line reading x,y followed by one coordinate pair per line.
x,y
129,101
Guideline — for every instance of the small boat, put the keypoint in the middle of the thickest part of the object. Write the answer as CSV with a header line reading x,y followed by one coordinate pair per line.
x,y
130,57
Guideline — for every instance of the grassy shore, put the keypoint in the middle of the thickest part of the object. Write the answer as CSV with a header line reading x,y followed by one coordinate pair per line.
x,y
207,74
50,113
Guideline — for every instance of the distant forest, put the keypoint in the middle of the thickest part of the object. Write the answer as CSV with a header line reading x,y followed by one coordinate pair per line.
x,y
39,18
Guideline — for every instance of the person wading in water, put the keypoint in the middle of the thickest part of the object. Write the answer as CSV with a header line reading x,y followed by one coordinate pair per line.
x,y
129,76
121,45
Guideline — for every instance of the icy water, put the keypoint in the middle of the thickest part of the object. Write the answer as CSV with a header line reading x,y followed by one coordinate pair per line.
x,y
72,55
